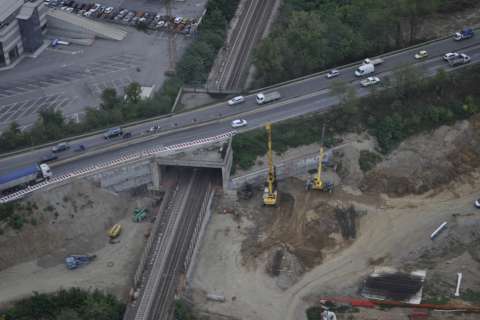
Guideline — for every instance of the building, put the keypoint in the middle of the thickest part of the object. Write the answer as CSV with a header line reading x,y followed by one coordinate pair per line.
x,y
22,26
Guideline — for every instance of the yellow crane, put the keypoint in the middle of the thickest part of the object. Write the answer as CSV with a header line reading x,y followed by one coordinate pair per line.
x,y
270,191
317,183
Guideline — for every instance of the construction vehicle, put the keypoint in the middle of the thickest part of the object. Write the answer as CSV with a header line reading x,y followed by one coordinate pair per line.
x,y
270,190
75,261
139,215
316,183
114,231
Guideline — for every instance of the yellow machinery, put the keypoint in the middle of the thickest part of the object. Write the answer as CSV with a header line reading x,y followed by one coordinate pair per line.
x,y
317,182
115,231
270,191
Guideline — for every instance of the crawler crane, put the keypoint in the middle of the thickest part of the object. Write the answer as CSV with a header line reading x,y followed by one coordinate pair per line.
x,y
270,191
317,183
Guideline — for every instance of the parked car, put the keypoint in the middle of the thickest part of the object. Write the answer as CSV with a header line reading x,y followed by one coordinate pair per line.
x,y
450,56
62,146
422,54
333,73
236,100
239,123
113,132
369,81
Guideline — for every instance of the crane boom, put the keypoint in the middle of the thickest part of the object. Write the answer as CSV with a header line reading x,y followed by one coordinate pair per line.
x,y
270,192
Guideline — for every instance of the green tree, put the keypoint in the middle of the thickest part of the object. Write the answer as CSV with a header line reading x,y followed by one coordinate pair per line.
x,y
132,92
109,99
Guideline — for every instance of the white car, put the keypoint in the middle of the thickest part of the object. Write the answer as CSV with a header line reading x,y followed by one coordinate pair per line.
x,y
477,203
239,123
332,73
422,54
369,81
236,100
178,20
450,55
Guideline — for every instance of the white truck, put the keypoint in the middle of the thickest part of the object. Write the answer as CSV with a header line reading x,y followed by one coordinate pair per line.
x,y
24,177
365,69
373,61
267,97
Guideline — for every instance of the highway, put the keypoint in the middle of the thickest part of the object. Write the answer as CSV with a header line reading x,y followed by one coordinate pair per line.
x,y
299,97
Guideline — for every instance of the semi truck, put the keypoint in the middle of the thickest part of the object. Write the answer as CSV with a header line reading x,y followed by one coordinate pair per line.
x,y
268,97
466,33
24,177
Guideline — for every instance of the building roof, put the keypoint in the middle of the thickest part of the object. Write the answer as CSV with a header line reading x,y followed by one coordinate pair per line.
x,y
8,7
28,8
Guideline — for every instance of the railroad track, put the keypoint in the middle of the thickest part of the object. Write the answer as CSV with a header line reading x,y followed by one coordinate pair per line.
x,y
250,29
166,260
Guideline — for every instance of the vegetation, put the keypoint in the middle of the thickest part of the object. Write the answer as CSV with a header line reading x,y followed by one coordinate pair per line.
x,y
183,312
407,105
368,160
312,35
114,109
71,304
15,215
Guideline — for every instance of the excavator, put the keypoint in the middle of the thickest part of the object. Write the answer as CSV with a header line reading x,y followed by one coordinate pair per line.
x,y
317,183
270,191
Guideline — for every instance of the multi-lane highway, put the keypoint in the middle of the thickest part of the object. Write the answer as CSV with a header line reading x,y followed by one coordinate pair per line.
x,y
299,97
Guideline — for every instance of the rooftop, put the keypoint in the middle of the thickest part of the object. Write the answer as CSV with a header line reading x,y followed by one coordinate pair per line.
x,y
8,7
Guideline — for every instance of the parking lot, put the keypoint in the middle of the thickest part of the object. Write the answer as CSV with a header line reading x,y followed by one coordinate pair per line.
x,y
71,78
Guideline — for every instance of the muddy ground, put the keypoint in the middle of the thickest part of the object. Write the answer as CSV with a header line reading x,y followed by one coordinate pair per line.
x,y
73,219
276,262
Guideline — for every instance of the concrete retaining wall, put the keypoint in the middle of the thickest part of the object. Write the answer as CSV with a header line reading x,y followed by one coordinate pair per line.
x,y
292,167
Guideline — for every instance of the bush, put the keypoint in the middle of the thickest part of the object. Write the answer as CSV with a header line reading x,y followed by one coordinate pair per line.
x,y
368,160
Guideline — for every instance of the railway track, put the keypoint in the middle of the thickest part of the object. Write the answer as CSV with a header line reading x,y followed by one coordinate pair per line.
x,y
167,256
249,31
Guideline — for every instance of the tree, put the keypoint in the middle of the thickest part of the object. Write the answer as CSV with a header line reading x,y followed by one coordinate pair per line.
x,y
68,314
109,99
132,92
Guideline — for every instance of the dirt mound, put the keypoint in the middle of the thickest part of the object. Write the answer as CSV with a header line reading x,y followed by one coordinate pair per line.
x,y
304,223
427,161
68,220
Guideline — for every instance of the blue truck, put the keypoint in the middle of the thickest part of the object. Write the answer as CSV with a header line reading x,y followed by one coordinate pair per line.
x,y
466,33
23,177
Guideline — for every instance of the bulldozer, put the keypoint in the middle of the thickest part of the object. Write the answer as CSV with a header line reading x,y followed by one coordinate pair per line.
x,y
270,193
317,183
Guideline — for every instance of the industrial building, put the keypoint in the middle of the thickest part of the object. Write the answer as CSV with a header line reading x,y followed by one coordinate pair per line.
x,y
22,27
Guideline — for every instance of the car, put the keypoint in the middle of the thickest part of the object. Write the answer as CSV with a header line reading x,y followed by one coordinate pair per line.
x,y
127,135
108,9
332,73
62,146
79,148
239,123
369,81
160,24
422,54
236,100
450,55
178,20
49,157
477,203
113,132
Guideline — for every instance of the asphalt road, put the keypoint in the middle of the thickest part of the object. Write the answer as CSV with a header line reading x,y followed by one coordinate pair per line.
x,y
300,97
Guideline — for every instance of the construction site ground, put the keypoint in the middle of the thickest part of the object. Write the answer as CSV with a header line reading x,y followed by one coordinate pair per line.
x,y
73,219
274,263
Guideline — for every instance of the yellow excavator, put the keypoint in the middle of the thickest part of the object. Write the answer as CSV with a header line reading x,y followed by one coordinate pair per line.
x,y
316,183
270,191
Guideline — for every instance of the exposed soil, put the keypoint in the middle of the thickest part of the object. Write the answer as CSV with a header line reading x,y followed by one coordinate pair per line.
x,y
73,219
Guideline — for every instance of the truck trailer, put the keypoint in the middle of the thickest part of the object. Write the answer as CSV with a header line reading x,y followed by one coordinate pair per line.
x,y
373,61
267,97
466,33
24,177
365,69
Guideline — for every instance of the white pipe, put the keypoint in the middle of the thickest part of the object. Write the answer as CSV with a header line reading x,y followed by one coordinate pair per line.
x,y
459,281
438,230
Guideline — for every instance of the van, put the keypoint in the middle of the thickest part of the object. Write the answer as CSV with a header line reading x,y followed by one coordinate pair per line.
x,y
365,69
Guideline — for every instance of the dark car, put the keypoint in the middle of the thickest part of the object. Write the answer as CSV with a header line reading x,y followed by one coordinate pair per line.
x,y
79,148
49,157
127,135
113,132
62,146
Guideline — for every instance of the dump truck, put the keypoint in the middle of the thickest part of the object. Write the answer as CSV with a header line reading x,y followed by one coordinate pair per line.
x,y
466,33
267,97
75,261
24,177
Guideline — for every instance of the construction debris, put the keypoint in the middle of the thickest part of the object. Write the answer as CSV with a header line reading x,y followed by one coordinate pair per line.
x,y
438,230
245,192
459,281
346,218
